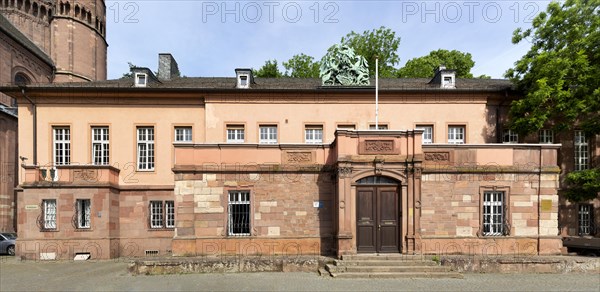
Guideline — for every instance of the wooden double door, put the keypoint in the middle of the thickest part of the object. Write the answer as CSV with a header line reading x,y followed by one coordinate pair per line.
x,y
378,219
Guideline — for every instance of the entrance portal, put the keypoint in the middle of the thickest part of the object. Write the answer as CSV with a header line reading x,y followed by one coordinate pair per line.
x,y
377,215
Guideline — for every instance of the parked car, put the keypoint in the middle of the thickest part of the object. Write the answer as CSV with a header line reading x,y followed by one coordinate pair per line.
x,y
7,242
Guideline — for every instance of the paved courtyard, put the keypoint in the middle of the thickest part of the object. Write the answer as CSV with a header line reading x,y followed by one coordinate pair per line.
x,y
113,276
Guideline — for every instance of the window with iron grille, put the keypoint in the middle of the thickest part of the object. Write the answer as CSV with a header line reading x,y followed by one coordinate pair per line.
x,y
427,133
456,135
183,134
100,146
83,213
268,134
62,145
586,219
581,151
49,214
313,134
546,136
235,134
494,213
238,211
162,214
145,148
510,136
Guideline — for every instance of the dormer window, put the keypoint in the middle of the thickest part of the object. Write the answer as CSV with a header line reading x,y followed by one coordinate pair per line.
x,y
448,81
244,81
140,80
243,78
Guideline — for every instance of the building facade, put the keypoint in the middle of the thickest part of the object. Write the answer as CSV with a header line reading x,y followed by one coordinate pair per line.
x,y
210,166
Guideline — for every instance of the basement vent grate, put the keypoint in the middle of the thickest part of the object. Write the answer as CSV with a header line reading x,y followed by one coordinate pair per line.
x,y
151,252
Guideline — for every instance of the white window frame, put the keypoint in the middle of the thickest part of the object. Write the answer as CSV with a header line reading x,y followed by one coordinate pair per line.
x,y
510,137
313,134
170,214
84,208
100,146
493,213
582,156
456,134
50,214
141,79
349,127
236,133
61,145
546,136
157,214
427,133
380,127
145,148
237,202
183,134
584,219
267,134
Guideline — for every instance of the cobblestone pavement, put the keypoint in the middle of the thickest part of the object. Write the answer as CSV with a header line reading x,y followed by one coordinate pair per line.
x,y
112,276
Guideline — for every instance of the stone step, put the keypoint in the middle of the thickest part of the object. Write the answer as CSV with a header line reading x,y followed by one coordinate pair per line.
x,y
384,263
389,256
386,269
398,275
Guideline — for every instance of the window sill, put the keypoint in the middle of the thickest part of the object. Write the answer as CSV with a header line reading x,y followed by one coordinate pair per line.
x,y
162,229
81,229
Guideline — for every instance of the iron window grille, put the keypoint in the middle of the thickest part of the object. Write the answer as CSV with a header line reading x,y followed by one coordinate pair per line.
x,y
494,214
268,135
586,220
100,146
62,145
145,145
83,213
161,214
238,210
48,214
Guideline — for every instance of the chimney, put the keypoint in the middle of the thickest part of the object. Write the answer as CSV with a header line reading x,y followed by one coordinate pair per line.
x,y
167,67
244,78
445,78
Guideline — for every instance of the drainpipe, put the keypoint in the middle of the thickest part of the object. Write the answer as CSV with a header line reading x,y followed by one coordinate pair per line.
x,y
539,201
34,108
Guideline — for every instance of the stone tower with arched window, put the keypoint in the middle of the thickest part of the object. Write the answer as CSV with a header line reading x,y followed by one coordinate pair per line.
x,y
71,32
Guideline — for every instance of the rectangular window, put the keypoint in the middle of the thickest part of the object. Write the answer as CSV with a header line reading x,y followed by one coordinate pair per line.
x,y
510,136
145,148
140,80
586,219
49,216
380,127
83,213
493,213
235,134
346,127
268,134
183,134
581,151
546,136
161,214
456,134
100,146
427,133
62,145
313,134
238,210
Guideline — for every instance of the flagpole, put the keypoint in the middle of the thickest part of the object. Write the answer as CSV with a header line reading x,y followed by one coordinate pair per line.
x,y
376,93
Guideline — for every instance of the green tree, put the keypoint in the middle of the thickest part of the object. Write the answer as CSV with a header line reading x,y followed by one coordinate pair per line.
x,y
422,67
560,74
381,43
301,66
269,69
583,185
129,74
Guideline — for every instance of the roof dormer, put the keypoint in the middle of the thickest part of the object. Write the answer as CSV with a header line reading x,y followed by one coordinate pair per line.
x,y
446,78
244,78
142,76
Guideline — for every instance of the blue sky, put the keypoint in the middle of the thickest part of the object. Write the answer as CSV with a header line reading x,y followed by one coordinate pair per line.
x,y
212,38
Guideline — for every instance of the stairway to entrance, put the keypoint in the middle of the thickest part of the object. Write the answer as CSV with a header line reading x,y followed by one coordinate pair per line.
x,y
388,266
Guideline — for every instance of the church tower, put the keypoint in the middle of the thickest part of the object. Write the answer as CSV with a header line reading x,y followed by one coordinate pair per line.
x,y
71,32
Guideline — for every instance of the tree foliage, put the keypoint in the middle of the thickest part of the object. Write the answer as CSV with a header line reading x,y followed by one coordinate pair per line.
x,y
301,66
269,70
583,185
423,67
381,43
560,73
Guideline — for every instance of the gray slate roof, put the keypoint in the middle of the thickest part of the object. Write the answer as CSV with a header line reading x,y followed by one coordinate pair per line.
x,y
20,38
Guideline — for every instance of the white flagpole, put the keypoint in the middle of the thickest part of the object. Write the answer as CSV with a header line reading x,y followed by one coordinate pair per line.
x,y
376,93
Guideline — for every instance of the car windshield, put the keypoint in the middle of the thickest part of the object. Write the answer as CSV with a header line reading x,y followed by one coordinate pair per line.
x,y
10,235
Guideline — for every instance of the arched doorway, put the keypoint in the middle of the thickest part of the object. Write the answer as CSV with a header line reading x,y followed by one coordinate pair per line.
x,y
378,215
